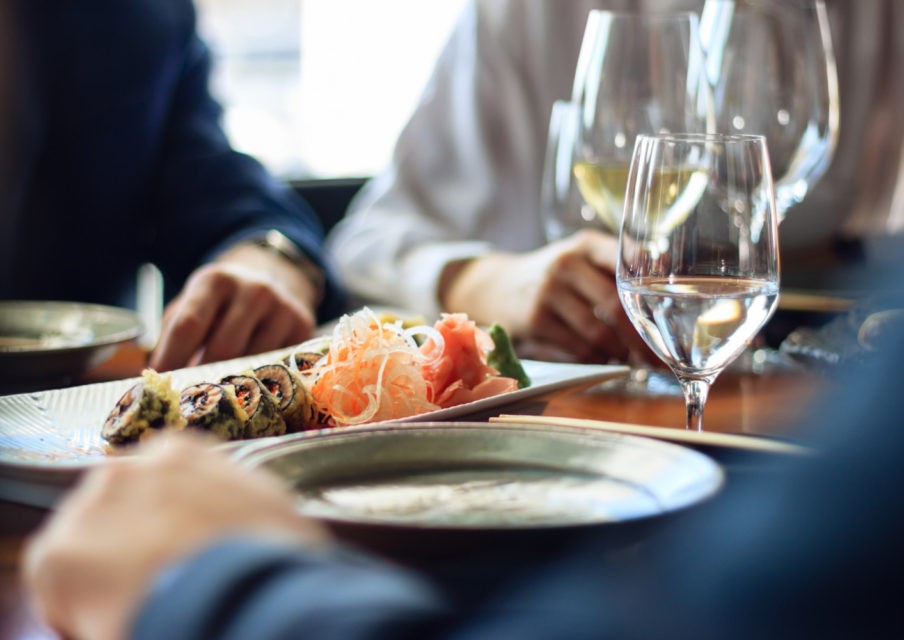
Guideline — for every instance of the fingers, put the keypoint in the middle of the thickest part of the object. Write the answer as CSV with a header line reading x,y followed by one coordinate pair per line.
x,y
90,565
600,248
257,319
59,557
580,290
47,594
226,312
278,330
578,330
586,301
231,334
197,487
188,319
602,252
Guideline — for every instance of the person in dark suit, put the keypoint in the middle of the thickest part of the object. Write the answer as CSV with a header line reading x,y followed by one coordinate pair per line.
x,y
112,155
808,547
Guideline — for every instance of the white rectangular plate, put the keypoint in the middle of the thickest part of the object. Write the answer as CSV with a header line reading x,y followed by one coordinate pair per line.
x,y
51,435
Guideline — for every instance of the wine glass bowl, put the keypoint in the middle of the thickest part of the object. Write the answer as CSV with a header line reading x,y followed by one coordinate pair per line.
x,y
772,69
636,73
563,210
701,287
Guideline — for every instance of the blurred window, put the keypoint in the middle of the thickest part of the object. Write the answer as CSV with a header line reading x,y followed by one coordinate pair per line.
x,y
321,88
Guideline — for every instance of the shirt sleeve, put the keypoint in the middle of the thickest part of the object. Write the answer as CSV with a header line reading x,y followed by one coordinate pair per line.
x,y
242,589
463,173
209,196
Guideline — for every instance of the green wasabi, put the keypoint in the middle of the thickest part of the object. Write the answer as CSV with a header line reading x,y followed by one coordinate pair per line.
x,y
503,357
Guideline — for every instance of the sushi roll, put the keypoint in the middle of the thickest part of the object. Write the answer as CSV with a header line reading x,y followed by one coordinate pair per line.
x,y
303,360
307,354
294,400
145,409
264,417
213,407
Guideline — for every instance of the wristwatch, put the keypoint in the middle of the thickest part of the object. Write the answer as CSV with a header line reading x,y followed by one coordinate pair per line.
x,y
279,244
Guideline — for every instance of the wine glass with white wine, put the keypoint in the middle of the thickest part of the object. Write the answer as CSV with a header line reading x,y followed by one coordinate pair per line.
x,y
636,73
562,208
699,290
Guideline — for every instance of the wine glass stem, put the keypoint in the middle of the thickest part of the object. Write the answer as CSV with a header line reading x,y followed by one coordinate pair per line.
x,y
696,391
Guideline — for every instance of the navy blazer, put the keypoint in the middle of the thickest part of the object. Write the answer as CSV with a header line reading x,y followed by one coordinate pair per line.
x,y
114,155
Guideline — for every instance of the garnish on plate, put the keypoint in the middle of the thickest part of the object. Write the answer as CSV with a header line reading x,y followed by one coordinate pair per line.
x,y
372,369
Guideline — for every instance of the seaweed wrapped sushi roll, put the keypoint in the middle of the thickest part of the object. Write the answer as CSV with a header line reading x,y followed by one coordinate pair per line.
x,y
147,407
302,360
264,417
215,408
304,356
294,400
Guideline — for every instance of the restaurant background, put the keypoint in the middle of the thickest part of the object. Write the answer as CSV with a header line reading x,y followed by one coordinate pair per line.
x,y
321,88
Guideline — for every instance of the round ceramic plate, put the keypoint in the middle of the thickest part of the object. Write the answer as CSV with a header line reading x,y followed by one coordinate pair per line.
x,y
442,475
51,340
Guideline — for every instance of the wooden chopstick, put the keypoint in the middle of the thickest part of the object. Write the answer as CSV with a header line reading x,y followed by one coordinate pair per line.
x,y
700,438
813,302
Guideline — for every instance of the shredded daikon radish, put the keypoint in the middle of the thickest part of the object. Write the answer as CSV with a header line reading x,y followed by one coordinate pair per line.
x,y
373,371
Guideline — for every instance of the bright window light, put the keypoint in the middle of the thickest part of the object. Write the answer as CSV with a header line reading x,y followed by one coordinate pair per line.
x,y
321,88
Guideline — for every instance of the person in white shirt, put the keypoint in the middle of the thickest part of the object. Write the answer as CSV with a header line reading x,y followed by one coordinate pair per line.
x,y
454,222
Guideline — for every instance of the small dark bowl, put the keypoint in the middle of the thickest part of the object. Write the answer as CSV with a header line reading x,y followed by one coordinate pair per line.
x,y
45,342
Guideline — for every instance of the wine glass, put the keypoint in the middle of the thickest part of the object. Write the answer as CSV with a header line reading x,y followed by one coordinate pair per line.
x,y
772,69
562,208
636,73
700,290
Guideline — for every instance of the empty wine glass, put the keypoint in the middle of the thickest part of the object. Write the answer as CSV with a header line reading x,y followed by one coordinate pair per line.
x,y
636,73
772,69
699,290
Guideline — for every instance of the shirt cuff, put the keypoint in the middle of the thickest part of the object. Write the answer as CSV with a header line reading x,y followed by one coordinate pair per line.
x,y
422,268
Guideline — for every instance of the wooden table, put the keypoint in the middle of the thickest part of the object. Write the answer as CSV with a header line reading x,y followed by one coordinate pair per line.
x,y
759,404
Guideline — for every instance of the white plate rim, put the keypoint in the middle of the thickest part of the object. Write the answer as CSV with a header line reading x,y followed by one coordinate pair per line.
x,y
547,377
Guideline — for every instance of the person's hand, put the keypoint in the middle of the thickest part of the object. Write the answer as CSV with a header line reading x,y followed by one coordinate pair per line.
x,y
560,301
93,561
248,301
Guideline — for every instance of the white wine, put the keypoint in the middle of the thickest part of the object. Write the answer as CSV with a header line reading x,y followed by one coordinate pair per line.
x,y
671,197
698,325
603,187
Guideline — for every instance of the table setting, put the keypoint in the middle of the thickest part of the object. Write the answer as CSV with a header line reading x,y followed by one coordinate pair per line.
x,y
50,437
551,463
666,143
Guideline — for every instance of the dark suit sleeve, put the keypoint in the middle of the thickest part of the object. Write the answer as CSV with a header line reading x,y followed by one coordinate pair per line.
x,y
210,196
242,589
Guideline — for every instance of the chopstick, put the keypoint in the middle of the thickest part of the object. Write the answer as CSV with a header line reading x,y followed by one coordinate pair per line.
x,y
699,438
791,300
